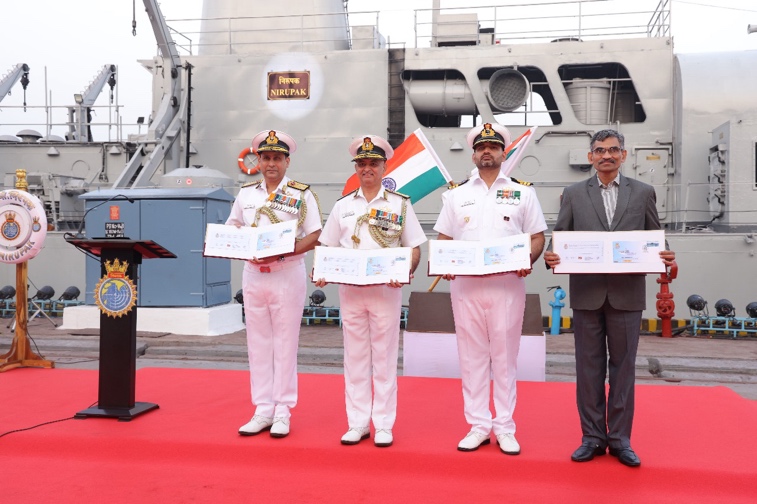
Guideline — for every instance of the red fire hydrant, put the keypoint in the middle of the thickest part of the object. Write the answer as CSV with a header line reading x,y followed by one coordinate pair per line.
x,y
665,304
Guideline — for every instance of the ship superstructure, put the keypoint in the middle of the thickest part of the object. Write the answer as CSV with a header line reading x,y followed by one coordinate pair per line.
x,y
325,74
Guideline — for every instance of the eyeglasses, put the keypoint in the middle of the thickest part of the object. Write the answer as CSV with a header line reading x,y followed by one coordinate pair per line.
x,y
601,151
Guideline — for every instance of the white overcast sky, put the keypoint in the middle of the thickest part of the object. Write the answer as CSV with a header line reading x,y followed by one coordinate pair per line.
x,y
68,42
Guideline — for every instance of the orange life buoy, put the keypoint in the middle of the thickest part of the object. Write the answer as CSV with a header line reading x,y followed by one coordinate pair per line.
x,y
245,152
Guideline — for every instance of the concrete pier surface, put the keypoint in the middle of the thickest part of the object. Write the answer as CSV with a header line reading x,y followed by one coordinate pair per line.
x,y
682,360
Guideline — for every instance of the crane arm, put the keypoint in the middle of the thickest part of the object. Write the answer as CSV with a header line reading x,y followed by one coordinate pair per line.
x,y
168,119
9,80
89,95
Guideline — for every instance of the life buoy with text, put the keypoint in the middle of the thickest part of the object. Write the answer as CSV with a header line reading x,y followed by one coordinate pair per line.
x,y
23,226
249,170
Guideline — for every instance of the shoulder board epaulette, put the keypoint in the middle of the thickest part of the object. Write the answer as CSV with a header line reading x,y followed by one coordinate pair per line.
x,y
297,185
521,182
348,194
254,182
398,194
454,184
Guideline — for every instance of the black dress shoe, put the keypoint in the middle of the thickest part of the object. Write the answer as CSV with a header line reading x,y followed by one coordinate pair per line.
x,y
626,456
587,451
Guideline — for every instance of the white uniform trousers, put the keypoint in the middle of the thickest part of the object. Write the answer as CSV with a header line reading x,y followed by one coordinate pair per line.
x,y
273,304
488,315
371,325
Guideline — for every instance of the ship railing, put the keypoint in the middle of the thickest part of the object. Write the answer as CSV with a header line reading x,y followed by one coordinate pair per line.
x,y
185,44
472,25
541,22
659,23
46,119
231,35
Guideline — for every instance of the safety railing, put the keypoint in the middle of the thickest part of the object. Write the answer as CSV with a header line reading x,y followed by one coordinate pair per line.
x,y
332,315
542,22
729,326
512,23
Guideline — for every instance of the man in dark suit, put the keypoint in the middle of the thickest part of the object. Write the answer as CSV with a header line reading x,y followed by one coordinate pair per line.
x,y
607,308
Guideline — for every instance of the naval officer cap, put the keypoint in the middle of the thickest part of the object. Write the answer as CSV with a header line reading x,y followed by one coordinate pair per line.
x,y
488,132
274,141
370,147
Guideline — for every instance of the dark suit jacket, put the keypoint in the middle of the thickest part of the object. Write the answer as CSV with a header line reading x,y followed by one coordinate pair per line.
x,y
582,209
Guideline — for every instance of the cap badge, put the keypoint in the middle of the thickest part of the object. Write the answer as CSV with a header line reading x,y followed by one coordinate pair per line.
x,y
487,131
272,139
367,144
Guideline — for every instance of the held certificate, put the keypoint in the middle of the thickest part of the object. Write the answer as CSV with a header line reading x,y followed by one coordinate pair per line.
x,y
249,242
476,258
609,251
362,267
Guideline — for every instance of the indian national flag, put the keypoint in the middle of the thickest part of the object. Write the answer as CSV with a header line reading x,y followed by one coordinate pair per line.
x,y
414,170
514,151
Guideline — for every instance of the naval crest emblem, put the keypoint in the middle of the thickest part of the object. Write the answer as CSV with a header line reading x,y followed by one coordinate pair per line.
x,y
10,229
115,293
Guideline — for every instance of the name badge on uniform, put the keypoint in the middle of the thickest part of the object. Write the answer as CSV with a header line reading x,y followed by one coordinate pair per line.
x,y
348,214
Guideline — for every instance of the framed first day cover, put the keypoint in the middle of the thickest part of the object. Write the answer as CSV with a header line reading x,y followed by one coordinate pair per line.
x,y
476,258
362,267
609,251
249,242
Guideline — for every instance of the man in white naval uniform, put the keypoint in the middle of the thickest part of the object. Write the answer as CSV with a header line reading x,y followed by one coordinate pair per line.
x,y
371,217
275,287
488,310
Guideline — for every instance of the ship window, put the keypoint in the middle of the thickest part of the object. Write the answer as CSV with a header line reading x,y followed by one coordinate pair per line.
x,y
602,93
516,97
439,97
537,103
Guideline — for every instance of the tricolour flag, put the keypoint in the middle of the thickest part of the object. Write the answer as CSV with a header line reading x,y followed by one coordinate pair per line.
x,y
514,151
414,170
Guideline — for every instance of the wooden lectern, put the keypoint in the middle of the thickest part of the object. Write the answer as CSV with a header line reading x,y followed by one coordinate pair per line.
x,y
116,296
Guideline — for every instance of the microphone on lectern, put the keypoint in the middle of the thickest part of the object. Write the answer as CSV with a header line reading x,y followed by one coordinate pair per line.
x,y
79,235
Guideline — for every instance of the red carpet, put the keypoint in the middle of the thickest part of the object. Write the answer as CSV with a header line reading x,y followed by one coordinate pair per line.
x,y
696,444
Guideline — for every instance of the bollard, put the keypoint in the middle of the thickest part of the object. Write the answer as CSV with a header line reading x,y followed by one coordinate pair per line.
x,y
557,305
